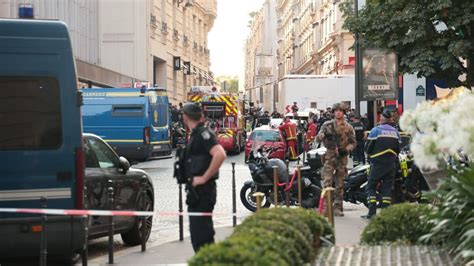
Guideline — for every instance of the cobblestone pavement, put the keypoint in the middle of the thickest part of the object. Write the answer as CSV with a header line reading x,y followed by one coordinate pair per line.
x,y
165,228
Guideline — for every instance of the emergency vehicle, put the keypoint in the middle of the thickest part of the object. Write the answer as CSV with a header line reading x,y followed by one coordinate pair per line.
x,y
223,113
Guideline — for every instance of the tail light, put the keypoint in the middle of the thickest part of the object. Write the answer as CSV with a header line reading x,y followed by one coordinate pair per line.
x,y
146,136
80,178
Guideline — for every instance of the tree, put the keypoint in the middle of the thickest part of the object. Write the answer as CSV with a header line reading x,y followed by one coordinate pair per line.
x,y
231,83
433,38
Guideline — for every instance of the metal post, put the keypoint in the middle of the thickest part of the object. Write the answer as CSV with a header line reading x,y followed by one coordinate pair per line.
x,y
330,207
234,201
44,242
258,196
287,193
275,186
143,218
299,186
358,61
180,217
110,191
85,251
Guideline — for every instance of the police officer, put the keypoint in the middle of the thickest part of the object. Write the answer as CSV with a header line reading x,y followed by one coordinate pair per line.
x,y
382,147
203,158
339,139
359,128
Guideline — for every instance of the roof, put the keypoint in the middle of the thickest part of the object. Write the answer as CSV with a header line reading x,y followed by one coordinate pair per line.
x,y
29,28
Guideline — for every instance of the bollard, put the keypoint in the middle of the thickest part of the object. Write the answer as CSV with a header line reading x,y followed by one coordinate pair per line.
x,y
234,200
110,191
144,218
287,193
258,196
298,160
85,251
180,217
330,207
299,185
275,186
44,242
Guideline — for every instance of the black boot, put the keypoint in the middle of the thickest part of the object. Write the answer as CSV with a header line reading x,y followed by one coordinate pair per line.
x,y
372,211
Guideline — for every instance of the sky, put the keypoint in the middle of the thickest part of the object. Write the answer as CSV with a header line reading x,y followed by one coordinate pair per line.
x,y
227,37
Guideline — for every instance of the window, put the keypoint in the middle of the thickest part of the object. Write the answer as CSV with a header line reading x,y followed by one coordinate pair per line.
x,y
127,110
105,156
314,105
265,135
91,159
261,94
30,113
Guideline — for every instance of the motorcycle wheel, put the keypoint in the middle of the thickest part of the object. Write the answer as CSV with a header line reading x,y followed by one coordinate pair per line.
x,y
249,201
311,196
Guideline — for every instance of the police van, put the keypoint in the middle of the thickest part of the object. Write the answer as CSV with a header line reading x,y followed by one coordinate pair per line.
x,y
41,153
135,122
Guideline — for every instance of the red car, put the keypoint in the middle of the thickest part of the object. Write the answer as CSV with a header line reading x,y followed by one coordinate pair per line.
x,y
268,137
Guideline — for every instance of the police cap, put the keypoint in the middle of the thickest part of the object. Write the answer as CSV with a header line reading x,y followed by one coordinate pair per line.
x,y
192,110
387,113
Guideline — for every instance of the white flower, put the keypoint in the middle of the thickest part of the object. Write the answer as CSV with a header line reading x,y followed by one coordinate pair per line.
x,y
425,151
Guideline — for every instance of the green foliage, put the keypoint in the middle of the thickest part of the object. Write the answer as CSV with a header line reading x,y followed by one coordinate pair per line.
x,y
431,37
249,250
452,221
400,223
279,236
231,83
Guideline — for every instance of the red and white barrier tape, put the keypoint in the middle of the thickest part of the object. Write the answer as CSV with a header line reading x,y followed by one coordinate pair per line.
x,y
107,213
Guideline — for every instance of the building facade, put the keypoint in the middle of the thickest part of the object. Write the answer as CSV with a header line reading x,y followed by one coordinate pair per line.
x,y
120,42
311,39
261,64
180,57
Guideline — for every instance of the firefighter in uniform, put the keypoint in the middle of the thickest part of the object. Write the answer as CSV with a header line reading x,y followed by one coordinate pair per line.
x,y
289,131
311,133
382,147
203,158
339,139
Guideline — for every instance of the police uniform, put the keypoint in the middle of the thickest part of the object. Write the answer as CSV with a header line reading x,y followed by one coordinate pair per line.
x,y
334,162
201,198
359,130
382,147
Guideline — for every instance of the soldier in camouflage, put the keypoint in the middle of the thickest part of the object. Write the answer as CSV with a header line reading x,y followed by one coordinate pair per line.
x,y
339,139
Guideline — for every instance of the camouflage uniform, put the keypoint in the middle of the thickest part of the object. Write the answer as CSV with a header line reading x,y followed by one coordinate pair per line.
x,y
333,163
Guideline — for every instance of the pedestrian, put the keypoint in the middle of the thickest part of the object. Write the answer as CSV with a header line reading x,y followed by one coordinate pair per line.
x,y
275,114
311,133
288,130
339,139
204,156
382,147
360,135
295,109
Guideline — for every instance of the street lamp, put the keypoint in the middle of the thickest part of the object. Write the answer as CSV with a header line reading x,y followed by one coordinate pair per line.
x,y
188,3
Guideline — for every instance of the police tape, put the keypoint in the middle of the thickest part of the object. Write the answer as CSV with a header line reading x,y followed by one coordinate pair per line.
x,y
65,212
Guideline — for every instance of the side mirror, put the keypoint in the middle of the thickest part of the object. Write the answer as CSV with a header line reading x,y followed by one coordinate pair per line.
x,y
124,164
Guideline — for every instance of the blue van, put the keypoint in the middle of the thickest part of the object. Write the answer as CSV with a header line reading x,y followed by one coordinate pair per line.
x,y
41,151
133,121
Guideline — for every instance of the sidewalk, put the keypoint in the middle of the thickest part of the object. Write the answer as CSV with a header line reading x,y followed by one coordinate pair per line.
x,y
348,230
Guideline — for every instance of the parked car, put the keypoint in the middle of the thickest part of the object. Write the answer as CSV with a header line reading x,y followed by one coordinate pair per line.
x,y
104,169
269,137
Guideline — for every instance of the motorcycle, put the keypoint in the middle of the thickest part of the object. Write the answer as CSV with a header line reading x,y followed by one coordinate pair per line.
x,y
178,134
261,169
409,181
408,186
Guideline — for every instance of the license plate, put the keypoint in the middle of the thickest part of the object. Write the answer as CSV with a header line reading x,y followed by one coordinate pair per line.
x,y
157,147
